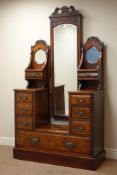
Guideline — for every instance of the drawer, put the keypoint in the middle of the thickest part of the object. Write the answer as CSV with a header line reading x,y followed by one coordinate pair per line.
x,y
23,97
24,122
71,144
24,109
33,74
81,99
80,127
77,112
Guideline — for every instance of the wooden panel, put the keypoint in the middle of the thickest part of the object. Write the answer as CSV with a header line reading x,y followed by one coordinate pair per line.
x,y
54,128
24,109
80,127
41,108
24,122
74,161
81,99
98,126
59,99
57,142
81,112
23,97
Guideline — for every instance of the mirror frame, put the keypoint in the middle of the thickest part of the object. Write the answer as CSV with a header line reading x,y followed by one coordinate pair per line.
x,y
63,15
88,71
39,45
37,75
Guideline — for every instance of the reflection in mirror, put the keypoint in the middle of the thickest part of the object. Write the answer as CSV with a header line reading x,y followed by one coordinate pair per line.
x,y
40,56
65,66
92,55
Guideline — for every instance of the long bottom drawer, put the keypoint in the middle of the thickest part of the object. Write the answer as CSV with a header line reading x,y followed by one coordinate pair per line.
x,y
80,145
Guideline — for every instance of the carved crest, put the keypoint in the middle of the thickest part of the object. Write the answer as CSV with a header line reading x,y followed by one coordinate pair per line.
x,y
95,41
41,42
65,10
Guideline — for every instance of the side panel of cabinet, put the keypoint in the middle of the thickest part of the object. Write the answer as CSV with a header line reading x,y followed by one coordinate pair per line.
x,y
98,125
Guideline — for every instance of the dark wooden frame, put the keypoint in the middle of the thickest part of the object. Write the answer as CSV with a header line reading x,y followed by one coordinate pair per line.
x,y
39,45
87,70
58,144
63,15
38,75
89,163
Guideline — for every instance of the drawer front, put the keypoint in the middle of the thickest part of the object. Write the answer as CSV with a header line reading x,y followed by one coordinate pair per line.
x,y
33,74
56,142
81,100
24,122
78,113
80,128
23,97
24,109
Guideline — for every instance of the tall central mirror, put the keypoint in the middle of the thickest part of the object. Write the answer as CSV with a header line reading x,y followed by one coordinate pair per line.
x,y
65,55
65,66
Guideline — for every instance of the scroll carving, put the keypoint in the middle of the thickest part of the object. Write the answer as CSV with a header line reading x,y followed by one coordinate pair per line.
x,y
65,11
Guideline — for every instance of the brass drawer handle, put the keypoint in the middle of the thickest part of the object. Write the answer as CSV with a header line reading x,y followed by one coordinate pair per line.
x,y
24,110
81,101
34,141
33,74
23,123
81,113
23,98
80,129
68,145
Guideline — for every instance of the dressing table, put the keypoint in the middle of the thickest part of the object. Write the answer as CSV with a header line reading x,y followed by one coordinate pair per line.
x,y
59,117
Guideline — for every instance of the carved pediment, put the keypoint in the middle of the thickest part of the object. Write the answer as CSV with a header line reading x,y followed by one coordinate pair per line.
x,y
65,10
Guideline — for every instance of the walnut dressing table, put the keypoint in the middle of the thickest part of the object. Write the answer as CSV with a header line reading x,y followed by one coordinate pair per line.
x,y
59,117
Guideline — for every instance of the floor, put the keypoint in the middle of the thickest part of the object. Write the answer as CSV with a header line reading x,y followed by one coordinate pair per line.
x,y
10,166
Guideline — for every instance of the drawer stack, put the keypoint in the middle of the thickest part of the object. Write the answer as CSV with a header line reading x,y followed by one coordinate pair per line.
x,y
24,109
29,110
81,111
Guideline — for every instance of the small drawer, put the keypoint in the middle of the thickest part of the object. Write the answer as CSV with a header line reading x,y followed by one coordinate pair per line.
x,y
24,109
33,74
77,112
81,100
24,122
80,128
23,97
80,145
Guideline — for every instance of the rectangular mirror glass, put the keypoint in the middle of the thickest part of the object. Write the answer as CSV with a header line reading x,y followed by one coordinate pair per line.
x,y
65,66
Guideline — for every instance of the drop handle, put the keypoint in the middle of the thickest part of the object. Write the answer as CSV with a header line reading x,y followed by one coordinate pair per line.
x,y
24,123
81,113
80,128
81,101
68,145
33,74
34,141
24,110
23,98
